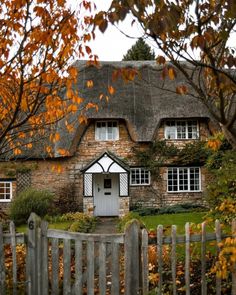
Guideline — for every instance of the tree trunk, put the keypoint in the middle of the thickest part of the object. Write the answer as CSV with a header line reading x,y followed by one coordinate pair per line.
x,y
230,135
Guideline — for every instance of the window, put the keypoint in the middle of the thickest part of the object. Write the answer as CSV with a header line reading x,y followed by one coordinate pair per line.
x,y
139,176
5,191
181,130
184,179
107,130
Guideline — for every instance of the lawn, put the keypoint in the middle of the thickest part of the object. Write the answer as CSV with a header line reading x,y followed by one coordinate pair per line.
x,y
151,222
56,225
178,219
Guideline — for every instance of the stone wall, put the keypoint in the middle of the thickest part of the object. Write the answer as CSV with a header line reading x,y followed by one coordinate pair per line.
x,y
46,176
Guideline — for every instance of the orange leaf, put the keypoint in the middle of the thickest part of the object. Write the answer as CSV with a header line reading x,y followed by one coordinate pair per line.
x,y
48,149
89,83
56,136
111,90
72,108
62,152
17,151
181,89
88,49
171,73
73,72
161,60
69,93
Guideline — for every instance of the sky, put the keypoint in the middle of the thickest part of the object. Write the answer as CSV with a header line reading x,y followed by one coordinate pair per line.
x,y
112,45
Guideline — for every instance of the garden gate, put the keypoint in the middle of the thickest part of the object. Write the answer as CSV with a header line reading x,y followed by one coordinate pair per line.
x,y
62,262
73,263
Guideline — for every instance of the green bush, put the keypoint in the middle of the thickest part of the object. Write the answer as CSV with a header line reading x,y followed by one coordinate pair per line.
x,y
82,222
221,192
128,218
30,200
4,219
178,208
181,208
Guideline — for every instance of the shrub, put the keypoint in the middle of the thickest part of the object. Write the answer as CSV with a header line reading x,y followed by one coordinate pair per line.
x,y
82,222
181,208
178,208
128,218
65,200
4,219
221,193
30,200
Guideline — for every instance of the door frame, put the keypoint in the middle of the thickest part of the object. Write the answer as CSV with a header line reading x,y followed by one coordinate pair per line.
x,y
112,201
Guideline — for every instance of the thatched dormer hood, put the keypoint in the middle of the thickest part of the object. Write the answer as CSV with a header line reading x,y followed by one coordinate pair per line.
x,y
143,103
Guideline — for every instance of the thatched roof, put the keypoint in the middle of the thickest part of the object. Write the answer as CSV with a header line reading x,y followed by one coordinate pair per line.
x,y
143,103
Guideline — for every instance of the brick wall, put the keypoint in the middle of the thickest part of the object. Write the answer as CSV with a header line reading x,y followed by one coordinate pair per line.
x,y
43,177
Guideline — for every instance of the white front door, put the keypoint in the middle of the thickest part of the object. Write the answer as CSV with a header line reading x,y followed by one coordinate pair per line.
x,y
106,194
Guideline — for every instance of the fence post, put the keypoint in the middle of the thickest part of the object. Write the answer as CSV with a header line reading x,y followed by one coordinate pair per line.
x,y
144,265
2,264
234,266
132,258
33,228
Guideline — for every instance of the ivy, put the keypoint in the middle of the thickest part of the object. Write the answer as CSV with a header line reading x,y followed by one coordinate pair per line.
x,y
156,155
162,153
11,169
193,154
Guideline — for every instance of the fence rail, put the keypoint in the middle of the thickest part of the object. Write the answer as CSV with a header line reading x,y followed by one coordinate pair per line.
x,y
76,263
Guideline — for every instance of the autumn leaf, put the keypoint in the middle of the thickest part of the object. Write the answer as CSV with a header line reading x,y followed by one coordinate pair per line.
x,y
57,136
92,105
57,168
160,60
181,89
111,90
88,49
73,72
172,73
36,68
89,83
72,108
103,25
17,151
63,152
82,119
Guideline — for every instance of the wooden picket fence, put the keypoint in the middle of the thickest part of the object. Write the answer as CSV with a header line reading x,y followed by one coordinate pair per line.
x,y
62,262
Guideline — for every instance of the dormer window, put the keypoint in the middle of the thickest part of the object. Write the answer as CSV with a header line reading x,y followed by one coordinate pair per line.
x,y
106,130
180,129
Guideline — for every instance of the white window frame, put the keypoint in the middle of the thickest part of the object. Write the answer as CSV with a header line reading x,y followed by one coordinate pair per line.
x,y
188,179
10,193
140,169
106,131
175,126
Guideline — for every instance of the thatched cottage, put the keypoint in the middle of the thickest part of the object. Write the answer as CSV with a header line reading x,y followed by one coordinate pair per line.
x,y
101,163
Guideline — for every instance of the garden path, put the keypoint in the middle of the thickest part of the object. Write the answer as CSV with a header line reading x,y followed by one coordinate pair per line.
x,y
106,225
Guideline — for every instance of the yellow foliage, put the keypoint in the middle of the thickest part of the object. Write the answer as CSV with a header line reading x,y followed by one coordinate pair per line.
x,y
35,63
89,83
111,90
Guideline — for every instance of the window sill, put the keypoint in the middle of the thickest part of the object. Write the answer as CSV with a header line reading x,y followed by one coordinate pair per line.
x,y
106,140
181,192
140,184
181,139
5,201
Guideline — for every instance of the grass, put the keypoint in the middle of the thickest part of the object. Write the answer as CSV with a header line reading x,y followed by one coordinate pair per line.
x,y
178,219
56,225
